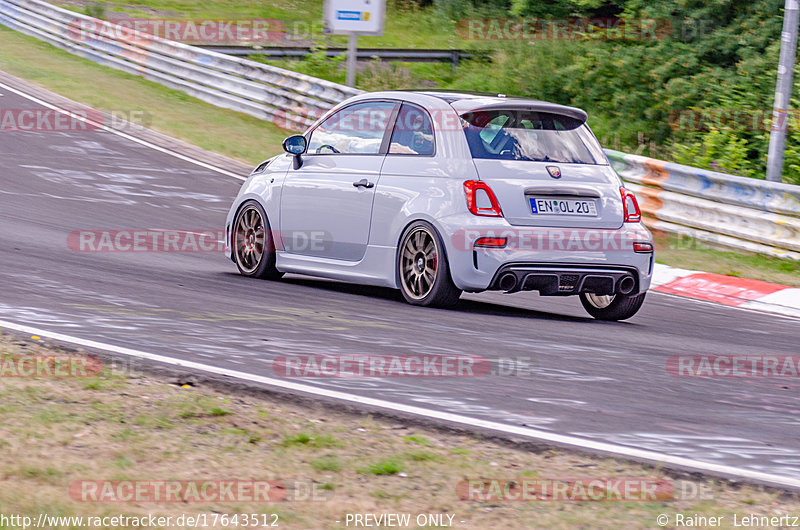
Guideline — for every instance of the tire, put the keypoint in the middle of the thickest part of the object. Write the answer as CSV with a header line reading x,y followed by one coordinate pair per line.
x,y
612,307
252,243
422,268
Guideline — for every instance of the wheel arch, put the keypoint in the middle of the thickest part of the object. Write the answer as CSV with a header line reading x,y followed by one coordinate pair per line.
x,y
424,219
242,202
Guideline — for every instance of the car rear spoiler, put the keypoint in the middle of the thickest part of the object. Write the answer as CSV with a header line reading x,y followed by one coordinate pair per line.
x,y
537,106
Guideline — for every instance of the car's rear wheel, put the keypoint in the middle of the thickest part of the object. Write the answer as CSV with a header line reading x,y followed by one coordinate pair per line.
x,y
423,269
253,246
612,307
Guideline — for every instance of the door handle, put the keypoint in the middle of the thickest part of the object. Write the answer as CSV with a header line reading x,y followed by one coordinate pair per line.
x,y
363,183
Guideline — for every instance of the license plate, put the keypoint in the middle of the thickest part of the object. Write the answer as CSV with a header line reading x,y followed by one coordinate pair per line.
x,y
581,207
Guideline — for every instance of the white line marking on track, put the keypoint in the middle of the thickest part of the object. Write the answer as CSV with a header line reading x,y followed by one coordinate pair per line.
x,y
122,134
612,449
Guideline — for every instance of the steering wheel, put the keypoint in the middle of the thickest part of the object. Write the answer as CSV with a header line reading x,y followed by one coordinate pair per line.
x,y
327,146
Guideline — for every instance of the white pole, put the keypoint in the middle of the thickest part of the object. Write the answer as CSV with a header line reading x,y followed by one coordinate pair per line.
x,y
352,49
783,93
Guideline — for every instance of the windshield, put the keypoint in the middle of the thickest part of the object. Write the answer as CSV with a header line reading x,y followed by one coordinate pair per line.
x,y
531,135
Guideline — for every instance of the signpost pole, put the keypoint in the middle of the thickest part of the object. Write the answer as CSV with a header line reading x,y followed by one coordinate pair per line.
x,y
354,18
352,50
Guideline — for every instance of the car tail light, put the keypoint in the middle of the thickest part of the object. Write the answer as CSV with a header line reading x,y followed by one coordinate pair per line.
x,y
630,206
642,247
491,242
474,189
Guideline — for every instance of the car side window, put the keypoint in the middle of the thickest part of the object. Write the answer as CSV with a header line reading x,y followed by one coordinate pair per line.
x,y
413,132
357,129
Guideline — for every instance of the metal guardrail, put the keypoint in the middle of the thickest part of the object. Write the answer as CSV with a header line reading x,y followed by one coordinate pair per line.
x,y
735,212
410,55
291,99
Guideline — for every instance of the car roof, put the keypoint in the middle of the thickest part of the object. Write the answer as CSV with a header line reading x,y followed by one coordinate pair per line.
x,y
464,102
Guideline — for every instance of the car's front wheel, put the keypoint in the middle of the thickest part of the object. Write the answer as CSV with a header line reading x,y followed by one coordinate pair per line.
x,y
612,307
253,246
423,269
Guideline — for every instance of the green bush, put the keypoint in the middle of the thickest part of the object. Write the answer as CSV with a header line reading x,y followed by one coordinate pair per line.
x,y
718,150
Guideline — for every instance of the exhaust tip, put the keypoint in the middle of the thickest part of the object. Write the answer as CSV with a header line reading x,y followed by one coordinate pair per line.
x,y
626,285
508,281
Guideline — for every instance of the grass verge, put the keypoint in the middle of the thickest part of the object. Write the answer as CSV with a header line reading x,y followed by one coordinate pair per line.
x,y
688,253
119,426
171,112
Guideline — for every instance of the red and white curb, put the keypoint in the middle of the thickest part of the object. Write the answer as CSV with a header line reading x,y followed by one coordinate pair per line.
x,y
727,290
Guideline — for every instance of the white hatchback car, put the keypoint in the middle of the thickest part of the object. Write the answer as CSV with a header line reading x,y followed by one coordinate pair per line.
x,y
436,193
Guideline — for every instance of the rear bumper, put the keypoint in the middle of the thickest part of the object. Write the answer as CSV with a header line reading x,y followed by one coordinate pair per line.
x,y
545,257
564,279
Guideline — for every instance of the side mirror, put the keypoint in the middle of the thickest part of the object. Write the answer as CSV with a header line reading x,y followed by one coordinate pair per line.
x,y
296,145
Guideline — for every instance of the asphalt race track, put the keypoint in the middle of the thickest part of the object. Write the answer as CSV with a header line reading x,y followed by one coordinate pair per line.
x,y
598,382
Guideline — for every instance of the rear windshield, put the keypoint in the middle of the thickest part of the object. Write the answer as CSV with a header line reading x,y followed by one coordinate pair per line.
x,y
530,135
